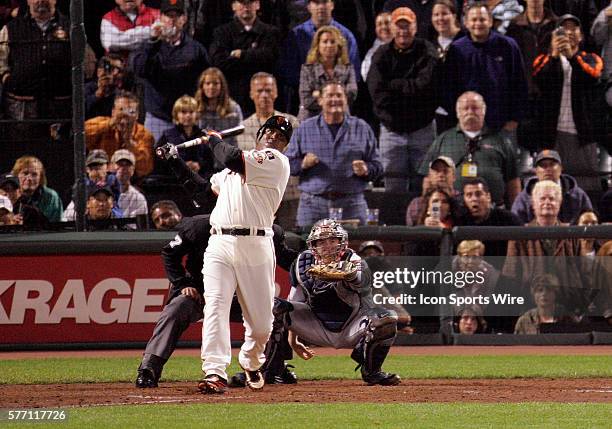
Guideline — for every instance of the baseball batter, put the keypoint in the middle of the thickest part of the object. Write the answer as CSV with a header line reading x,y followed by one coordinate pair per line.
x,y
240,253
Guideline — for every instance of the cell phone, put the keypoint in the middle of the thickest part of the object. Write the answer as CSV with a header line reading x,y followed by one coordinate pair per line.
x,y
107,66
435,210
560,31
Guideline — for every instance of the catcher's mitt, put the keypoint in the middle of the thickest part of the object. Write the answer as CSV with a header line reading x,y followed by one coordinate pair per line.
x,y
335,271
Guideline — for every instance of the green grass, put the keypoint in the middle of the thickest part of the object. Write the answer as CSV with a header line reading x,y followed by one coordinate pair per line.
x,y
329,416
75,370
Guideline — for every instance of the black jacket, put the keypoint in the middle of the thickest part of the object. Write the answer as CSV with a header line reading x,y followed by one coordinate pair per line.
x,y
259,48
587,96
402,86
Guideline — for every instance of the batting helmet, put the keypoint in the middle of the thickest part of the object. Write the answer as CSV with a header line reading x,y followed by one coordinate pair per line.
x,y
279,123
327,228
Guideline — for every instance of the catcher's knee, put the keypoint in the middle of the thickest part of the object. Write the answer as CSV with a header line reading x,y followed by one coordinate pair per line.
x,y
382,326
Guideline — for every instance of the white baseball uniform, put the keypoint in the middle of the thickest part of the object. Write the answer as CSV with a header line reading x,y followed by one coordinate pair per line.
x,y
242,264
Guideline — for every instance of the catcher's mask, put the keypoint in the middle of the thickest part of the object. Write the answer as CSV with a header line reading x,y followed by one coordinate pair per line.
x,y
279,123
324,229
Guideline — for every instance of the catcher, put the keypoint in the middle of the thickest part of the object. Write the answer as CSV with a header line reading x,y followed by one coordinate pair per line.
x,y
330,304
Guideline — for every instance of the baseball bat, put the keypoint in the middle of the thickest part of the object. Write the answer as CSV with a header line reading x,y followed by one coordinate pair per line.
x,y
230,132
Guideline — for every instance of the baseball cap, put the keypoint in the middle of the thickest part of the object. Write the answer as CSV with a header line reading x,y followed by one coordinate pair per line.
x,y
9,178
172,5
371,243
569,17
548,154
96,156
5,204
123,154
403,13
445,159
104,189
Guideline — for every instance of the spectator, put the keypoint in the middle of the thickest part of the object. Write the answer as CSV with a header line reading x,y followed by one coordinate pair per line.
x,y
490,64
469,321
185,116
441,174
532,30
445,214
371,248
528,258
605,206
122,131
479,212
34,191
588,247
477,151
401,85
98,176
131,201
8,10
299,41
263,93
169,65
446,24
602,274
548,167
9,184
600,31
422,10
243,47
327,61
470,259
165,215
383,35
544,290
127,27
99,213
218,111
570,115
335,155
35,64
100,94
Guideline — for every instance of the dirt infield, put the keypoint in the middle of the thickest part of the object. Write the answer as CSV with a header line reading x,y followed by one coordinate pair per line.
x,y
410,391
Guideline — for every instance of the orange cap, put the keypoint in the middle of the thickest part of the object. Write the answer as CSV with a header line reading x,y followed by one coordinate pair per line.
x,y
403,13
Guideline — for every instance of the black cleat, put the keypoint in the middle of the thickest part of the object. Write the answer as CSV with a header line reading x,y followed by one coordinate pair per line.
x,y
146,378
237,380
212,383
285,377
381,378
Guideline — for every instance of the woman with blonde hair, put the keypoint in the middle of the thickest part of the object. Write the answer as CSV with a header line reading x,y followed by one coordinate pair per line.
x,y
185,116
217,109
30,172
327,60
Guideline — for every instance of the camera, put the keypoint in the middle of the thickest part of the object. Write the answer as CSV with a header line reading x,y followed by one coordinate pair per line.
x,y
435,210
560,31
107,66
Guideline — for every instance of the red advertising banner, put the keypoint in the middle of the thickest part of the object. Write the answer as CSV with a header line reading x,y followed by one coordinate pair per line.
x,y
88,299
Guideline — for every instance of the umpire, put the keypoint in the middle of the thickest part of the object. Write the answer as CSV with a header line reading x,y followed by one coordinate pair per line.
x,y
185,300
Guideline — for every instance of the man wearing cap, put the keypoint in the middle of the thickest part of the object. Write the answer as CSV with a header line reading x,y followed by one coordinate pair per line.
x,y
492,65
98,176
298,44
131,201
477,151
122,131
371,248
99,210
441,174
401,85
422,10
9,186
243,47
127,27
169,64
548,166
571,116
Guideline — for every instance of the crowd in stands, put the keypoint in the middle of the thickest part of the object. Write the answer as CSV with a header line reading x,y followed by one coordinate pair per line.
x,y
491,113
